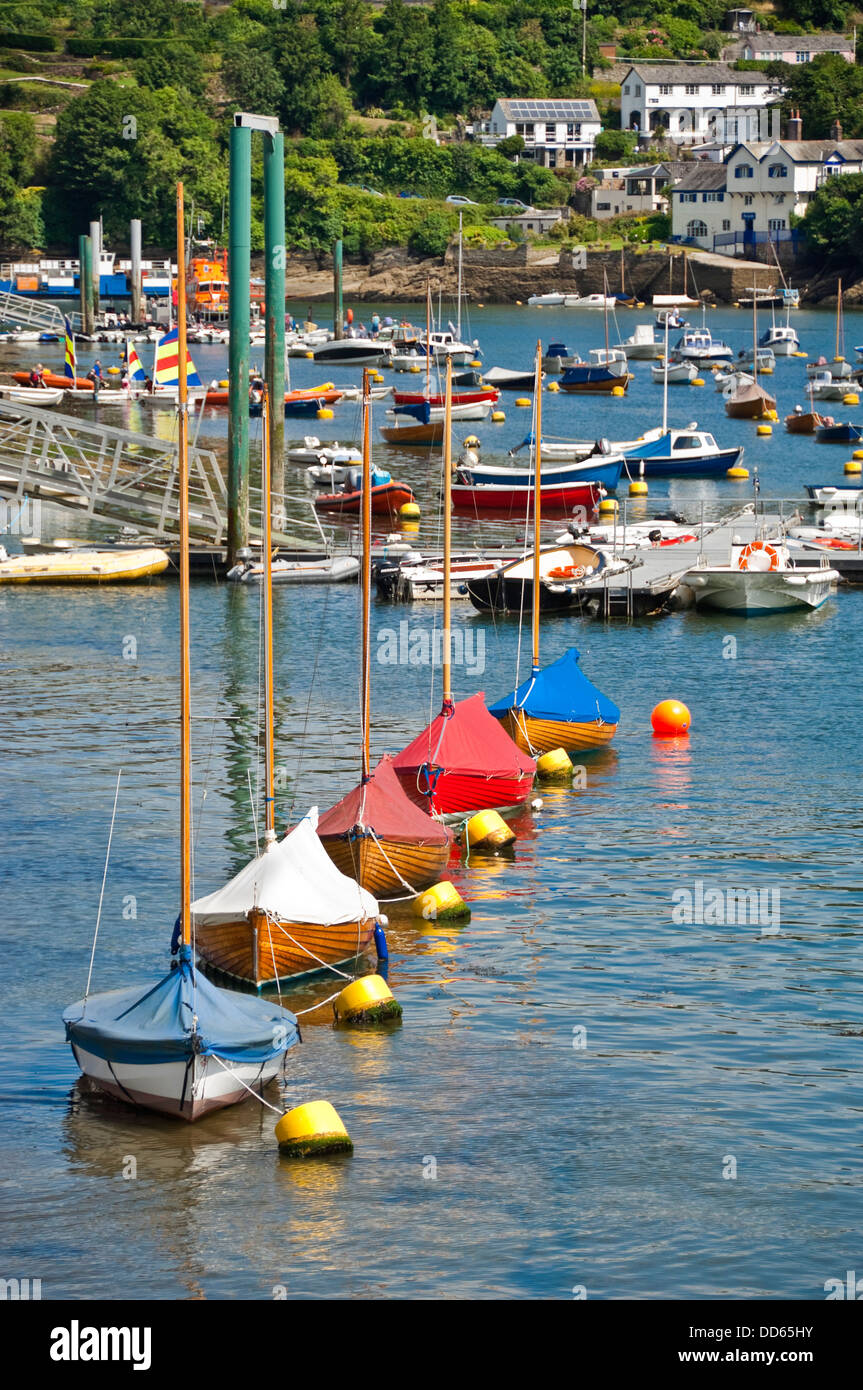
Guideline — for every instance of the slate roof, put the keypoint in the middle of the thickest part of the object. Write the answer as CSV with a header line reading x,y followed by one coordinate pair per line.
x,y
701,73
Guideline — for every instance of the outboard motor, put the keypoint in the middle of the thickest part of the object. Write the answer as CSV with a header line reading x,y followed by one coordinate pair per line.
x,y
354,480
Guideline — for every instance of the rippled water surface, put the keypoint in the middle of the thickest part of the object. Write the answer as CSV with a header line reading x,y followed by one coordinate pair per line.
x,y
557,1165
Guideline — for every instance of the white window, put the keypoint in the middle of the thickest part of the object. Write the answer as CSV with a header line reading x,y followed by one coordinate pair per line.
x,y
691,90
779,197
743,171
747,90
549,134
803,56
638,91
665,89
696,228
776,224
726,225
777,171
718,90
747,200
711,198
626,90
689,197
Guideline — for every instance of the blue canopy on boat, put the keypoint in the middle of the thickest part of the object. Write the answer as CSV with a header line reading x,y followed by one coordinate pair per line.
x,y
421,412
157,1024
559,692
652,448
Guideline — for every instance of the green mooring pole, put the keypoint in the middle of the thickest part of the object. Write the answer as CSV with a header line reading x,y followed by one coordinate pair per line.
x,y
85,246
274,365
240,273
338,302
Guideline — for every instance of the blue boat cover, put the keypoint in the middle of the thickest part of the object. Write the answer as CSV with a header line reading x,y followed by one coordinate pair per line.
x,y
156,1024
421,412
655,448
559,692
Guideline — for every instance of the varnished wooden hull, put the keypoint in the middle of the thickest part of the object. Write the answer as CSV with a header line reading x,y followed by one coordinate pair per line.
x,y
384,867
542,735
259,952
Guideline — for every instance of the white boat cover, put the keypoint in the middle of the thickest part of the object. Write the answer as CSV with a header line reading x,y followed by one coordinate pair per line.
x,y
293,879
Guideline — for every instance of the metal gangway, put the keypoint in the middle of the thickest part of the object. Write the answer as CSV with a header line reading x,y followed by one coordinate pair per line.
x,y
127,478
35,314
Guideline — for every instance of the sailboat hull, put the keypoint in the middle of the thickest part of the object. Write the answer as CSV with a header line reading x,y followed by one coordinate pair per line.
x,y
182,1090
261,952
462,793
383,866
537,736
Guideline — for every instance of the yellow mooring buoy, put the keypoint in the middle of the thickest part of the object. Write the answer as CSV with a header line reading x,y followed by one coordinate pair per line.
x,y
638,488
488,830
441,903
311,1130
554,766
367,1000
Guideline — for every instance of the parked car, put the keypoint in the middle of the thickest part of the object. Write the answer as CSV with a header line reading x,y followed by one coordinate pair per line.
x,y
515,203
363,188
459,201
410,195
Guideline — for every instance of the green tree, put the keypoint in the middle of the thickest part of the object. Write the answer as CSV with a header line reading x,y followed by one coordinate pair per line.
x,y
834,219
614,145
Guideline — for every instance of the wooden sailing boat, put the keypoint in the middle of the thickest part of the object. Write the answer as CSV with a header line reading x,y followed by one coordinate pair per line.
x,y
806,421
556,707
424,429
751,402
289,912
375,834
463,761
182,1046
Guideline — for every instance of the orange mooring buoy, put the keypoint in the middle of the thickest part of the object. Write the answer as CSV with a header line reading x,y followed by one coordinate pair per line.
x,y
670,719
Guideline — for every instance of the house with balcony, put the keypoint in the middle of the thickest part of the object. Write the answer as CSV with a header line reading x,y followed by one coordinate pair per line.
x,y
633,191
788,48
749,198
689,103
556,133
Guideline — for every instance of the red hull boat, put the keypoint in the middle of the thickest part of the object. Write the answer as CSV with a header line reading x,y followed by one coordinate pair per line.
x,y
517,501
464,762
459,398
385,497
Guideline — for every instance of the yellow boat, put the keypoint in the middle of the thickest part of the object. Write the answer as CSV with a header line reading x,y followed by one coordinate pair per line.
x,y
83,566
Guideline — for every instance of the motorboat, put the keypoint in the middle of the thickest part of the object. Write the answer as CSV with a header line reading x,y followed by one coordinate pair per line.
x,y
823,386
836,496
516,500
761,578
590,301
574,450
764,359
557,358
642,344
605,471
335,475
364,352
563,569
603,372
444,343
781,339
680,454
312,451
555,299
838,368
699,345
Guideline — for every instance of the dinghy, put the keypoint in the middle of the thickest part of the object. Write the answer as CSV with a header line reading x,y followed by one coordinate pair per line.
x,y
83,566
505,380
31,395
386,499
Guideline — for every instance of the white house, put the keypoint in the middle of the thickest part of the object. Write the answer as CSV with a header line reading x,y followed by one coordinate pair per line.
x,y
692,102
749,197
633,191
556,133
790,48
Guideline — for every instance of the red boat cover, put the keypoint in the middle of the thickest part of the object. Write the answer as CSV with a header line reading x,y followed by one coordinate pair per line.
x,y
470,740
382,806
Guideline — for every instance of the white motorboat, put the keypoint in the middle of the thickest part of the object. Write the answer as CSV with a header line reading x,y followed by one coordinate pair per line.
x,y
838,368
761,578
558,358
781,339
642,345
590,301
351,352
699,345
555,299
766,361
418,578
575,450
327,569
680,373
823,386
612,359
842,498
444,344
312,451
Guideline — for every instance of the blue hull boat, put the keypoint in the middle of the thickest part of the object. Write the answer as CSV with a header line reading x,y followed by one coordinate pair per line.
x,y
839,434
682,454
596,468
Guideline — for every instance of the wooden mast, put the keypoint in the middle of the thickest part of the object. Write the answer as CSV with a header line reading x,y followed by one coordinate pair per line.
x,y
840,328
447,536
537,482
267,542
185,662
428,339
365,693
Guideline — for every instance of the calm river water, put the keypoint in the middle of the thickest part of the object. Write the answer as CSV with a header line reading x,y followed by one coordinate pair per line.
x,y
585,1093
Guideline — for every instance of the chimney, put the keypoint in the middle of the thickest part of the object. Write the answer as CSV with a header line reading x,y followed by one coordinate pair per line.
x,y
795,127
836,131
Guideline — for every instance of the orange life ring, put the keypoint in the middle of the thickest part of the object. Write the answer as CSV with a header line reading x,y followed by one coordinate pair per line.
x,y
567,572
749,550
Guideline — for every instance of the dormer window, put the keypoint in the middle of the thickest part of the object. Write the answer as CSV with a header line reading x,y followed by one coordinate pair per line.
x,y
777,171
743,171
